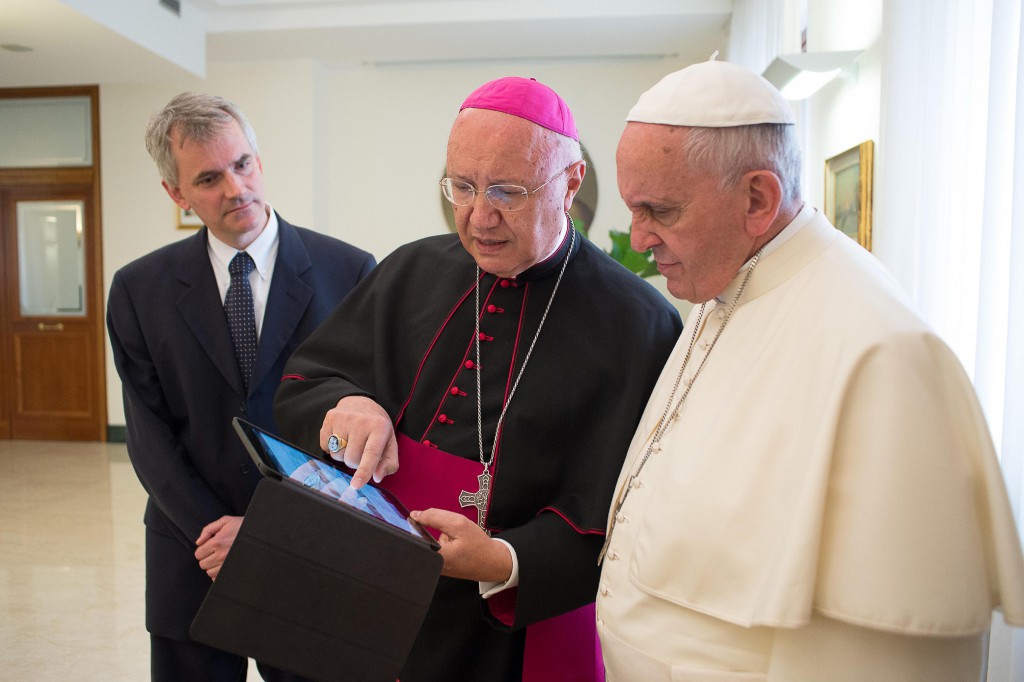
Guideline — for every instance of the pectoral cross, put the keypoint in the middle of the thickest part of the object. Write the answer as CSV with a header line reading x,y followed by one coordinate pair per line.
x,y
479,498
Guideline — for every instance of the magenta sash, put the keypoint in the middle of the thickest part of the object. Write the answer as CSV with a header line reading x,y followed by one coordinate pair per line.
x,y
565,647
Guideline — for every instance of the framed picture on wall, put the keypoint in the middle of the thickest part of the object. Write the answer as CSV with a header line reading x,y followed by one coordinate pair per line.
x,y
188,220
848,191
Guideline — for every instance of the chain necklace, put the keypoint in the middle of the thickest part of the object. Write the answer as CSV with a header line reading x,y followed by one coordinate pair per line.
x,y
480,497
672,406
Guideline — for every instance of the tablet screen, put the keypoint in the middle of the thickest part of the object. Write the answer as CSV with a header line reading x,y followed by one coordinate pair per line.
x,y
331,481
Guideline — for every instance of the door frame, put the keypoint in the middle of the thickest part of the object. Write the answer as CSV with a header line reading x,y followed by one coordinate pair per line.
x,y
22,179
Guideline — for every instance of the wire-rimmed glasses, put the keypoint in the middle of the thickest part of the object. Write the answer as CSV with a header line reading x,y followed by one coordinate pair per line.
x,y
501,197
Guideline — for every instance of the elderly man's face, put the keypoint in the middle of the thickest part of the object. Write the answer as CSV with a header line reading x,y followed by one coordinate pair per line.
x,y
695,230
491,148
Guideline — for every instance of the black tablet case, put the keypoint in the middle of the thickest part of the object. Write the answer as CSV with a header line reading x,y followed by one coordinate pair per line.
x,y
313,588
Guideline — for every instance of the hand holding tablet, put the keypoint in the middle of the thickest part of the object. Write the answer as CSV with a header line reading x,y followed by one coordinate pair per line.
x,y
281,460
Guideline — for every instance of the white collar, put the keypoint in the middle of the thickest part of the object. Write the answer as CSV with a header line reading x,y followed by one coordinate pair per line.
x,y
802,219
260,250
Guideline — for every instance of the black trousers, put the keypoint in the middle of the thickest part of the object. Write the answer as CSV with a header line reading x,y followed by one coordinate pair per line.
x,y
175,661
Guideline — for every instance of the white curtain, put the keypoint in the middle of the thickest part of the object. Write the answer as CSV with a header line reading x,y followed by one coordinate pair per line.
x,y
949,211
758,32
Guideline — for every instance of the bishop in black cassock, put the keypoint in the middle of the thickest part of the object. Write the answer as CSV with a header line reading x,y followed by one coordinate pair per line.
x,y
407,338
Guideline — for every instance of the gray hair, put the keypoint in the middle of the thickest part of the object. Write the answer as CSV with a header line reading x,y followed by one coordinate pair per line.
x,y
729,153
559,150
193,116
567,150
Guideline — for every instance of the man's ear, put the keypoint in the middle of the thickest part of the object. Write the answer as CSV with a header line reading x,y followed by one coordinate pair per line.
x,y
175,194
764,199
574,184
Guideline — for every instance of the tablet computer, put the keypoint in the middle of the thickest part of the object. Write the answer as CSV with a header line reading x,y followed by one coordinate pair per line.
x,y
280,459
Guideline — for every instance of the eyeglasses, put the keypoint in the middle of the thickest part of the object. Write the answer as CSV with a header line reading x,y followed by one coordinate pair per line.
x,y
501,197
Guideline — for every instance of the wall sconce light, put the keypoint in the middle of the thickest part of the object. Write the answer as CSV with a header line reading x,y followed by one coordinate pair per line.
x,y
800,75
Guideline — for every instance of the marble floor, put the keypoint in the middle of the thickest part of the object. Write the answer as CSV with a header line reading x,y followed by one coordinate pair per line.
x,y
71,564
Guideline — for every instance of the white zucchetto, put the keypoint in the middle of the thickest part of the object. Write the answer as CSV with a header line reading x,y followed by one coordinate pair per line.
x,y
712,94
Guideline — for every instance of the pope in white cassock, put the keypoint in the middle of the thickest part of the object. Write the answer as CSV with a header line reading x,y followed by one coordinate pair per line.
x,y
812,492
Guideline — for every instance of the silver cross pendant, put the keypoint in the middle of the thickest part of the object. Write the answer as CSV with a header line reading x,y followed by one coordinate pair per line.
x,y
479,498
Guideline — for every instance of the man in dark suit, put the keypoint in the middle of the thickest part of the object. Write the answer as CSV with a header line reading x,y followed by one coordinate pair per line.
x,y
200,331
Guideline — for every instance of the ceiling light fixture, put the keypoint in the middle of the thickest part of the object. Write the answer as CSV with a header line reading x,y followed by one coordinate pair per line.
x,y
800,75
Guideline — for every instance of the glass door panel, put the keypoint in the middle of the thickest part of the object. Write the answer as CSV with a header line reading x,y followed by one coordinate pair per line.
x,y
51,258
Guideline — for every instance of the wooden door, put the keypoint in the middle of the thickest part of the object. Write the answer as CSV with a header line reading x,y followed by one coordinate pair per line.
x,y
52,354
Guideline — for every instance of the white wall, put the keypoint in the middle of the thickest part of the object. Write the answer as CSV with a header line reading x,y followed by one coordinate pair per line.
x,y
390,125
354,152
847,111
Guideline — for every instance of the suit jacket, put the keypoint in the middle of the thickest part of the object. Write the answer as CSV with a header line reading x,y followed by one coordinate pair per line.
x,y
181,387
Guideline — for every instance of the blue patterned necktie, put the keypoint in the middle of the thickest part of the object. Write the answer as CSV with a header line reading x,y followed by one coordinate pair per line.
x,y
241,316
